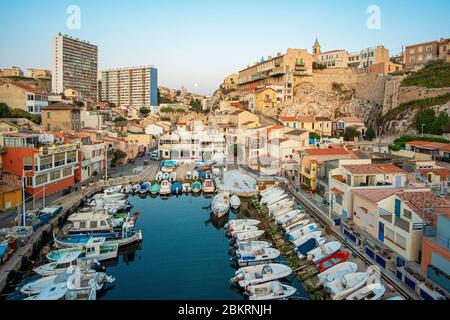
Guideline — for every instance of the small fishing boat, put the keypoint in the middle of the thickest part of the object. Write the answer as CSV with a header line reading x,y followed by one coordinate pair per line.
x,y
122,238
296,225
341,288
113,190
186,188
273,290
324,251
294,235
166,176
273,197
154,190
89,221
177,188
315,234
337,272
97,279
241,229
248,245
302,251
208,186
258,256
188,175
173,176
278,201
221,204
166,188
290,218
235,202
370,292
268,190
253,275
107,198
195,175
145,187
283,210
95,249
332,260
196,187
159,176
249,235
238,222
60,266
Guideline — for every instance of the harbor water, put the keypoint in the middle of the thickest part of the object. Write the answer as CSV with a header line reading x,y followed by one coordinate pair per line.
x,y
184,254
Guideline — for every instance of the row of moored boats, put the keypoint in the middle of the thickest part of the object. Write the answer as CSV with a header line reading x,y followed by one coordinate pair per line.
x,y
338,276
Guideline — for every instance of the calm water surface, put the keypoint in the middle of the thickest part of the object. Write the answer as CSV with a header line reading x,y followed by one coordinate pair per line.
x,y
184,254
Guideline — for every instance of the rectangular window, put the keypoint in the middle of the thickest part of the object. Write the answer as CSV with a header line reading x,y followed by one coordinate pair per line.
x,y
41,179
71,157
401,241
55,175
407,214
46,162
60,159
28,163
67,172
388,233
398,206
48,115
339,200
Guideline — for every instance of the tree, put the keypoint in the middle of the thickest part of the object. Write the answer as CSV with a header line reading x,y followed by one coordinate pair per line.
x,y
4,111
117,155
144,111
370,134
314,135
196,105
427,121
351,133
119,119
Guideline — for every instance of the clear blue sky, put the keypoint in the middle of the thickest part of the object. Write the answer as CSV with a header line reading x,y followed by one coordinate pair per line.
x,y
201,41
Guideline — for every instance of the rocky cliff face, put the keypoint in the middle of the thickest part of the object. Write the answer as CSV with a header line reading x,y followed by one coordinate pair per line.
x,y
310,101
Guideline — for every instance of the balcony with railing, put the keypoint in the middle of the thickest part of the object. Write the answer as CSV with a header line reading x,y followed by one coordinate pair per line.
x,y
402,224
386,215
277,72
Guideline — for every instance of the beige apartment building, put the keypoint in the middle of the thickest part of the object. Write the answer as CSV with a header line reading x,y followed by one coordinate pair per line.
x,y
18,95
13,72
61,117
284,70
38,73
231,81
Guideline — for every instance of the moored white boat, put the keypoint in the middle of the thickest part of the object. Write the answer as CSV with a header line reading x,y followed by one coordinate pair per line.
x,y
186,187
159,176
254,275
337,272
208,186
294,235
166,188
277,200
370,292
315,234
173,176
296,225
249,235
256,256
273,290
60,266
288,217
324,251
238,222
221,204
241,229
268,190
272,197
113,190
283,210
341,288
248,245
235,202
95,249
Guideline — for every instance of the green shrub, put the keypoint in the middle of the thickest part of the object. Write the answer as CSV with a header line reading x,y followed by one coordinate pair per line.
x,y
434,75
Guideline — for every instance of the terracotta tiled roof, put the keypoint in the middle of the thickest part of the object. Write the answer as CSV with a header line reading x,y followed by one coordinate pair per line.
x,y
61,106
24,87
376,195
290,119
326,152
373,169
444,173
418,201
430,145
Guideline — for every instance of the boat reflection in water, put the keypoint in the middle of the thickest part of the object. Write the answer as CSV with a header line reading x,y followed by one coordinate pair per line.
x,y
218,223
126,254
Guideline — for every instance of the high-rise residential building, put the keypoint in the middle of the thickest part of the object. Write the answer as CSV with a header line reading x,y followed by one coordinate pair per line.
x,y
75,66
134,87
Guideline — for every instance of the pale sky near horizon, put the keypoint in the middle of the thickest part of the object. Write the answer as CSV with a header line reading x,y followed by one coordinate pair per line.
x,y
196,43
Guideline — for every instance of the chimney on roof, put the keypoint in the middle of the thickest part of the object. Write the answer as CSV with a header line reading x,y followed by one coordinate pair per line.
x,y
269,58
